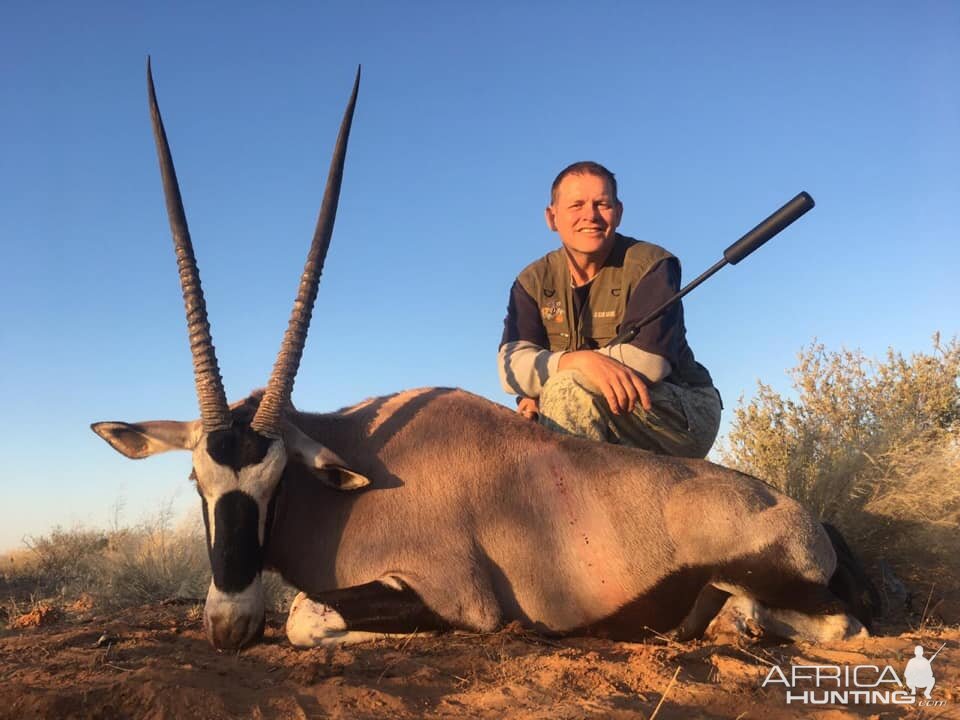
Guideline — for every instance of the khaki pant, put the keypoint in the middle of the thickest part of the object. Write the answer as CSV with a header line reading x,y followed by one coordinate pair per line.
x,y
682,421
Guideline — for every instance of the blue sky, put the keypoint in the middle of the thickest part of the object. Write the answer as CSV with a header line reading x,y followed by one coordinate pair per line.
x,y
711,115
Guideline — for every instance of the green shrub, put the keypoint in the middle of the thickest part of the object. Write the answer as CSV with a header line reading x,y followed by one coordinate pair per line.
x,y
871,446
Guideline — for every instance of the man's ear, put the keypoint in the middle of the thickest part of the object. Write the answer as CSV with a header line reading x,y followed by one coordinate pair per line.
x,y
140,440
550,218
619,215
328,467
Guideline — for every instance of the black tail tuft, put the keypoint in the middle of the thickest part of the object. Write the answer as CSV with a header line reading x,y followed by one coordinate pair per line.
x,y
850,582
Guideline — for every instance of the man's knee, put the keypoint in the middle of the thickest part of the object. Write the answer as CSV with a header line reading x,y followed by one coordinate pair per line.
x,y
567,387
703,409
568,405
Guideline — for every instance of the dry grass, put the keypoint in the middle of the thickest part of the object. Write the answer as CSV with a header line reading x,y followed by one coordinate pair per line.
x,y
89,568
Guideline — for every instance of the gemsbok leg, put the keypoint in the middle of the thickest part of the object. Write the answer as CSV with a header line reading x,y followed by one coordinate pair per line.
x,y
383,608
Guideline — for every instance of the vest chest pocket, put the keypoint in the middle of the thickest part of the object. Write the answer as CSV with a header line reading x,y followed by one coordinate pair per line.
x,y
600,330
558,336
600,320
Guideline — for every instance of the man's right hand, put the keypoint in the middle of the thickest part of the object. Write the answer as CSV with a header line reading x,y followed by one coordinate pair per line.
x,y
621,386
529,408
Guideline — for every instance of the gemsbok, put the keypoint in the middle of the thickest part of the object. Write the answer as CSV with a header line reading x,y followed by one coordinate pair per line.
x,y
437,509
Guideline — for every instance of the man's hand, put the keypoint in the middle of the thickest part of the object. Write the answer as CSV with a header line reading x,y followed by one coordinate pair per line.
x,y
529,408
620,385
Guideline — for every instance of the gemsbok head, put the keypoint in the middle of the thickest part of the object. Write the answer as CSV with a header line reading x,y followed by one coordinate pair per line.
x,y
238,460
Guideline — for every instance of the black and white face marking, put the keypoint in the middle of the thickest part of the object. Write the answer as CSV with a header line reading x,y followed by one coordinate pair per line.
x,y
237,472
235,552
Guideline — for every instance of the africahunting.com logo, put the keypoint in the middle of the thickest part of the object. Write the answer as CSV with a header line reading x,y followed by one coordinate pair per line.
x,y
859,684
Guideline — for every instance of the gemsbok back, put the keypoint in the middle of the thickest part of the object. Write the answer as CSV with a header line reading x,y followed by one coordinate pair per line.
x,y
434,509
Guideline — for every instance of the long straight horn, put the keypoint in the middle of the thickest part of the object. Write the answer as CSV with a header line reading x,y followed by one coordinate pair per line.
x,y
213,401
277,396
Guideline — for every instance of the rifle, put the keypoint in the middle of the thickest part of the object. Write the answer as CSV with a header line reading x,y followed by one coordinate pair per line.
x,y
733,254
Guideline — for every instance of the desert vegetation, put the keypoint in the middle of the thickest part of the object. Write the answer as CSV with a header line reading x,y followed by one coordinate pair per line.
x,y
158,560
872,446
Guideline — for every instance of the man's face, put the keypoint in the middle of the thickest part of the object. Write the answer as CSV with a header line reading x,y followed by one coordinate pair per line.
x,y
585,214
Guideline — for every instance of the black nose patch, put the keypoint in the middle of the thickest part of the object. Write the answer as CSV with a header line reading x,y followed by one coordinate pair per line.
x,y
235,556
237,447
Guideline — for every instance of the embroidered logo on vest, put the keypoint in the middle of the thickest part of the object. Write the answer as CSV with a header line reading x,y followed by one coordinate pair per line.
x,y
552,312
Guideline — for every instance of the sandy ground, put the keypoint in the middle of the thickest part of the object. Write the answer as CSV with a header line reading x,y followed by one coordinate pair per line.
x,y
155,662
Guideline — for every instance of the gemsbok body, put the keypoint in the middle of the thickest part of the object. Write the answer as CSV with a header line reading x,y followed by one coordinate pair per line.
x,y
434,509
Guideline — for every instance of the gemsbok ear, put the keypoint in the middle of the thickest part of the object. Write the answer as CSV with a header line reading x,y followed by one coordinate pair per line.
x,y
140,440
328,467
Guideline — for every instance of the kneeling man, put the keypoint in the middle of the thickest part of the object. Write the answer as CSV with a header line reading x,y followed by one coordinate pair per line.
x,y
567,306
